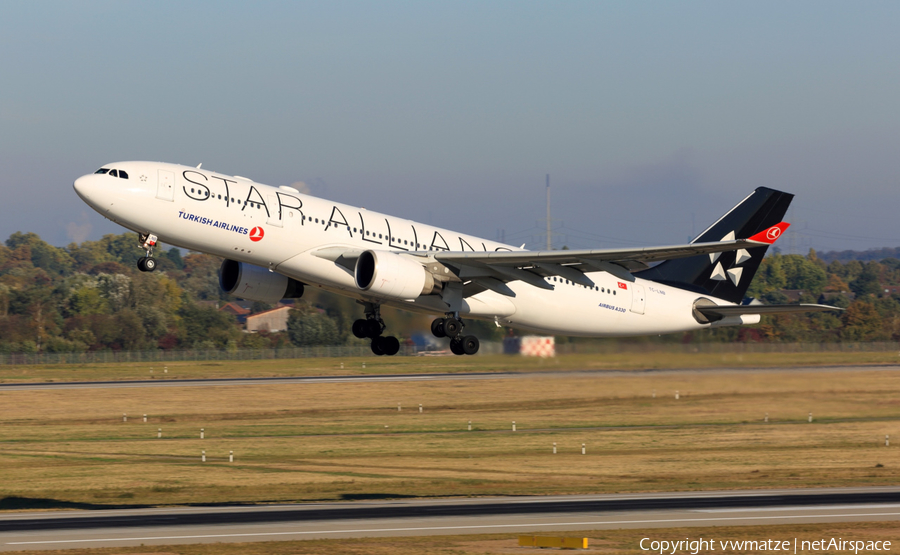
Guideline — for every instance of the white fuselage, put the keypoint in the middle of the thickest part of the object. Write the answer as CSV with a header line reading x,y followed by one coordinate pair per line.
x,y
280,228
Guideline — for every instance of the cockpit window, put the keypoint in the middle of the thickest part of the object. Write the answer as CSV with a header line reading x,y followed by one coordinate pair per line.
x,y
115,173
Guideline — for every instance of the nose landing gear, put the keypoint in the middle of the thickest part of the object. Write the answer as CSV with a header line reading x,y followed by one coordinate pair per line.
x,y
146,263
372,327
452,327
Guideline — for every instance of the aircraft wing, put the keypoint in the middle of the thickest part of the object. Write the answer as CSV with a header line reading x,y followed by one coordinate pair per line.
x,y
640,255
730,310
491,268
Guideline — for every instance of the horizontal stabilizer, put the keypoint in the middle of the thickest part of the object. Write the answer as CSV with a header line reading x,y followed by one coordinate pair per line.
x,y
731,310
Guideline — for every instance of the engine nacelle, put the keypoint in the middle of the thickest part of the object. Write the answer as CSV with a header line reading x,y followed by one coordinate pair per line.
x,y
255,283
387,274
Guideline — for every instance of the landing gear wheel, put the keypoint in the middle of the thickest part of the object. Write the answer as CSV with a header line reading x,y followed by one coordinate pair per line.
x,y
470,344
437,328
452,327
456,347
377,346
140,264
360,329
149,264
373,329
390,345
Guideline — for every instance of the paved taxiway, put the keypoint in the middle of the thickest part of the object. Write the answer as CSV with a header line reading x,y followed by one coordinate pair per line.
x,y
117,528
217,382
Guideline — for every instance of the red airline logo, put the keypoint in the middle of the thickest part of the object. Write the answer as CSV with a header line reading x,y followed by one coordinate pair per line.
x,y
770,235
622,285
256,234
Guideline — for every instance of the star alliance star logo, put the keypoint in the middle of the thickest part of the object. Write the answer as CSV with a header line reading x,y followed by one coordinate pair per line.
x,y
143,178
734,273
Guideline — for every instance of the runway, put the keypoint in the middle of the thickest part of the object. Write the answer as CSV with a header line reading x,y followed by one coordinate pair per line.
x,y
219,382
526,515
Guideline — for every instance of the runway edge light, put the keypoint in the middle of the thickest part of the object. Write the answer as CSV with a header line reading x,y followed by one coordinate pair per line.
x,y
553,541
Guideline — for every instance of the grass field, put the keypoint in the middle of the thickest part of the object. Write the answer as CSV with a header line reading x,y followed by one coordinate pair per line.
x,y
615,542
649,359
308,442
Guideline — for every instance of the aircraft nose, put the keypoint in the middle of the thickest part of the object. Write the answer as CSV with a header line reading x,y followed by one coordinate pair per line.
x,y
83,186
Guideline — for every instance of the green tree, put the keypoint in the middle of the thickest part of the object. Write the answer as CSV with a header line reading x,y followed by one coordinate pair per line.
x,y
174,256
311,327
87,300
202,277
204,325
867,282
52,260
804,274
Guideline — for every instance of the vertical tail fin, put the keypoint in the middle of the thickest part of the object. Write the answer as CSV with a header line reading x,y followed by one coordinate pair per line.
x,y
727,275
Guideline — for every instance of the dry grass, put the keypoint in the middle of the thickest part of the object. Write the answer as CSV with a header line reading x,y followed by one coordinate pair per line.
x,y
305,442
615,542
649,359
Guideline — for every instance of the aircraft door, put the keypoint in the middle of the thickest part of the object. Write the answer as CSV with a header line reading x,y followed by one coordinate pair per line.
x,y
637,298
275,213
166,186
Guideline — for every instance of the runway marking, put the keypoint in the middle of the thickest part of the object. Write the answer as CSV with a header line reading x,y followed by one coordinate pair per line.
x,y
798,507
436,528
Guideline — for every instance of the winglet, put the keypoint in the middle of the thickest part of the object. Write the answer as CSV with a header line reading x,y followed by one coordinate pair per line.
x,y
769,236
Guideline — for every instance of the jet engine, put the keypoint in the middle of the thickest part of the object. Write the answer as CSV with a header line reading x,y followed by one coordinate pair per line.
x,y
387,274
255,283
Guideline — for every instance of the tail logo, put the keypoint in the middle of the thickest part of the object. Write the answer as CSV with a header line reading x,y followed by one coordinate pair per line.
x,y
769,236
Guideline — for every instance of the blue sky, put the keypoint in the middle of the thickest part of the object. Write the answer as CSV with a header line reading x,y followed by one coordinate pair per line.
x,y
652,118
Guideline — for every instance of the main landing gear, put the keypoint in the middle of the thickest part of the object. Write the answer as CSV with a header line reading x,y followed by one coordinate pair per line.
x,y
147,263
372,327
452,327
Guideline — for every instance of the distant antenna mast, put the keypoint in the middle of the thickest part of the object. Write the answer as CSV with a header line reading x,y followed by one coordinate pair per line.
x,y
549,245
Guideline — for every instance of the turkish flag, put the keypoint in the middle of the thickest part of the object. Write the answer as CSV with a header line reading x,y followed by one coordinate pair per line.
x,y
622,285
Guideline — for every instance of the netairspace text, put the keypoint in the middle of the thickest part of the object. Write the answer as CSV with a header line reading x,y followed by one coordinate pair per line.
x,y
795,545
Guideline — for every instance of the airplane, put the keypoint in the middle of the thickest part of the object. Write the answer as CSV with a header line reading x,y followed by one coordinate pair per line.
x,y
275,241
